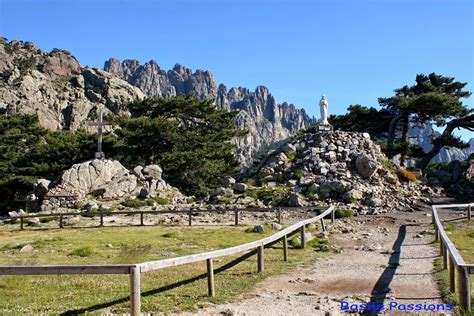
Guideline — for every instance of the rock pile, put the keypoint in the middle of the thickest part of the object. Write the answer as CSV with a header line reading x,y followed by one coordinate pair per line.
x,y
334,167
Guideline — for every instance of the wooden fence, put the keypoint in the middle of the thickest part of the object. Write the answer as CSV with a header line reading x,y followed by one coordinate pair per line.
x,y
135,270
452,260
190,212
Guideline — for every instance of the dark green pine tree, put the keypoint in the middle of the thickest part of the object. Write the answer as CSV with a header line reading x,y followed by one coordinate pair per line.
x,y
434,99
29,152
362,119
188,137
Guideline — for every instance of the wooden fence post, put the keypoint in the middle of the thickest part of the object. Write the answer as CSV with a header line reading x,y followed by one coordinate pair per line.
x,y
436,234
190,218
260,259
135,299
101,219
445,257
21,223
210,278
279,215
285,248
464,289
452,270
236,217
303,237
322,224
441,246
61,221
333,216
142,223
469,212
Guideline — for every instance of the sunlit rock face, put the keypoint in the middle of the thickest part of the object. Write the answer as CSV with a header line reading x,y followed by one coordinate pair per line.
x,y
421,135
56,87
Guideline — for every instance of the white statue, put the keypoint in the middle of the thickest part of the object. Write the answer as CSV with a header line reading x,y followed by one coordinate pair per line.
x,y
323,106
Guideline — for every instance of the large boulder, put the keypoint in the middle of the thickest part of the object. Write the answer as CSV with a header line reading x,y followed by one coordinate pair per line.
x,y
366,166
105,178
294,199
240,187
152,172
42,186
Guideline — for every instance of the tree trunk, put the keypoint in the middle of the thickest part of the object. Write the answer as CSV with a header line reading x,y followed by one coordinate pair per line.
x,y
391,129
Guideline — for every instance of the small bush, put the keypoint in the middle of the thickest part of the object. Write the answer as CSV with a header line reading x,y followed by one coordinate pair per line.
x,y
343,213
298,174
79,205
82,252
160,200
45,220
291,156
170,235
224,200
406,175
135,203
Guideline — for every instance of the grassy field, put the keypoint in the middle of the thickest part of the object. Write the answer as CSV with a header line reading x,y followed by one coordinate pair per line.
x,y
462,235
173,289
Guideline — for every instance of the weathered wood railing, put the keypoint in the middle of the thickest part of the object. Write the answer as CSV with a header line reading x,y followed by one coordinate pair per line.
x,y
135,270
190,212
452,260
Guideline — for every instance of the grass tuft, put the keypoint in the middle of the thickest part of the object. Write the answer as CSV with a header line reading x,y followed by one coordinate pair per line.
x,y
82,252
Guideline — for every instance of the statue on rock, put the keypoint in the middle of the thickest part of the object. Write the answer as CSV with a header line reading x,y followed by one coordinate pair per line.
x,y
323,106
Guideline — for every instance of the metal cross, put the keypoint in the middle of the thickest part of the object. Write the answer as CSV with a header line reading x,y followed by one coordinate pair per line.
x,y
99,153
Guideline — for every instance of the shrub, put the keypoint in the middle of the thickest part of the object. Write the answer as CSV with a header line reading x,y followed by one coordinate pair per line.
x,y
406,175
170,235
48,219
339,213
79,205
135,203
82,252
298,174
292,156
160,200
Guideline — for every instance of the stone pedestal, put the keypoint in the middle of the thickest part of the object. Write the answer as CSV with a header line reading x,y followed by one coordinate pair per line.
x,y
324,128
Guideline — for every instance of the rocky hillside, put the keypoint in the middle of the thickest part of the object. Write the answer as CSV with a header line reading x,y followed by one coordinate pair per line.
x,y
329,167
266,120
56,87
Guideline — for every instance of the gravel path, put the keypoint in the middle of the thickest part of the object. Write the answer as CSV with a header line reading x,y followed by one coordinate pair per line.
x,y
398,267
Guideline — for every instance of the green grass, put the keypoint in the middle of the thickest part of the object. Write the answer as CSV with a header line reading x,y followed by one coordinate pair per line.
x,y
54,294
462,235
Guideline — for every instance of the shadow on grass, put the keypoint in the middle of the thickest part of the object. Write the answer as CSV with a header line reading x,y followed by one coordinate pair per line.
x,y
166,287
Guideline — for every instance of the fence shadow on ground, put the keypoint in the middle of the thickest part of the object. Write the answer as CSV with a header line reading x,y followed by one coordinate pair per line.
x,y
381,288
161,289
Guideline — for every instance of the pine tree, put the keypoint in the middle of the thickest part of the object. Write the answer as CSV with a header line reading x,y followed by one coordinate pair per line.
x,y
189,137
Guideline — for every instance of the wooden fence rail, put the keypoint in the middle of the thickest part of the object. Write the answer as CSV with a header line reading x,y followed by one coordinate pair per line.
x,y
190,212
135,270
452,260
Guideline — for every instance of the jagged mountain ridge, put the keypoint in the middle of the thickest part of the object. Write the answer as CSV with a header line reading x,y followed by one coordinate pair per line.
x,y
56,87
265,119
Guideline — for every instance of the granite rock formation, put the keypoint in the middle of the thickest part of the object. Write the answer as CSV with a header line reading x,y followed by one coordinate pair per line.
x,y
106,179
56,87
421,135
265,119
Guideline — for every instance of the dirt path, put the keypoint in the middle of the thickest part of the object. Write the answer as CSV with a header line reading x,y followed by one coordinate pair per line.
x,y
397,268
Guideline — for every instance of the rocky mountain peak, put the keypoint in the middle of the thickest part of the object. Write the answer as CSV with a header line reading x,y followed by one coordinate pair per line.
x,y
266,120
56,87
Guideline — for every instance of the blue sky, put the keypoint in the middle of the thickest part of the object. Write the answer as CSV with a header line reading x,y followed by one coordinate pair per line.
x,y
353,51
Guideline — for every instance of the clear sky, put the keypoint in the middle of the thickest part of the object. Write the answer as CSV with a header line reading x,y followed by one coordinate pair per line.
x,y
353,51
